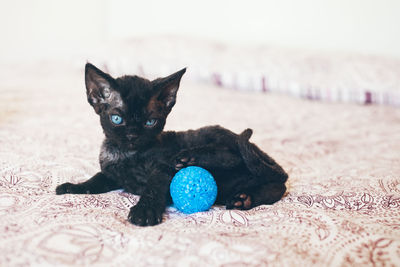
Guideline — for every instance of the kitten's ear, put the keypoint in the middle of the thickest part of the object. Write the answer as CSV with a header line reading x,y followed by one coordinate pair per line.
x,y
166,88
98,87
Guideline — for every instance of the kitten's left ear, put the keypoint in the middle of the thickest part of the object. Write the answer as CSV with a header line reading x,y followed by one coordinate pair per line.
x,y
166,88
98,87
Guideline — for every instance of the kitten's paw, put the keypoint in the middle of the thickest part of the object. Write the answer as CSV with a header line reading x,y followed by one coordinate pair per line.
x,y
66,188
143,215
241,201
184,160
69,188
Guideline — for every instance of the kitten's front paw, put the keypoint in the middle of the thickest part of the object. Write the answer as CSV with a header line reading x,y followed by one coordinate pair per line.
x,y
183,160
143,215
64,189
69,188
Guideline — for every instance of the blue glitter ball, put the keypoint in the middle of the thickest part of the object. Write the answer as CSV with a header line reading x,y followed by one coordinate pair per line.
x,y
193,189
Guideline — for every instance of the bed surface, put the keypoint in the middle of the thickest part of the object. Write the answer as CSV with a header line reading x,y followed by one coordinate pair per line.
x,y
342,207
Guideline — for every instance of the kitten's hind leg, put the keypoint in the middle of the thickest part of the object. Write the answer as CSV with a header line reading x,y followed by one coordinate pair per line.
x,y
251,197
258,162
96,185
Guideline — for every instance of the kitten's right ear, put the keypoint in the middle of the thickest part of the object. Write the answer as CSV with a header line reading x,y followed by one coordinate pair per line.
x,y
98,87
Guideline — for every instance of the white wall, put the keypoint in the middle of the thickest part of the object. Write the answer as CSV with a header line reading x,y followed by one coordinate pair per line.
x,y
367,26
36,28
46,27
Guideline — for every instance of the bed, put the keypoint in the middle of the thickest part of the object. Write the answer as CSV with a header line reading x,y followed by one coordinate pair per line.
x,y
342,207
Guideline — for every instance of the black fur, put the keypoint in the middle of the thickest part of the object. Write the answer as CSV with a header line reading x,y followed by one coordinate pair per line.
x,y
143,159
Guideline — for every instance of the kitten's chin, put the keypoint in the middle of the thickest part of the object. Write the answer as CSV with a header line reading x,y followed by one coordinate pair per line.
x,y
137,144
130,146
126,146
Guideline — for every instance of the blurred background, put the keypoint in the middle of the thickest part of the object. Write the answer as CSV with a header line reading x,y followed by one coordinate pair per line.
x,y
288,46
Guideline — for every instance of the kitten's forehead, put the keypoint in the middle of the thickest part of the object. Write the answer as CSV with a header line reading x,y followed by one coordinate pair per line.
x,y
135,93
115,99
129,83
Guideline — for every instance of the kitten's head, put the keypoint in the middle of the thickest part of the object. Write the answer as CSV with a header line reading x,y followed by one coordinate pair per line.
x,y
132,110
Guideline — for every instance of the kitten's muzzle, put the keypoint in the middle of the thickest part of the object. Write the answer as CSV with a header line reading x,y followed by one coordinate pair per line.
x,y
131,137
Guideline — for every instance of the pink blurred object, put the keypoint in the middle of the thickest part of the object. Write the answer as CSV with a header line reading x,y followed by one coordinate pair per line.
x,y
313,75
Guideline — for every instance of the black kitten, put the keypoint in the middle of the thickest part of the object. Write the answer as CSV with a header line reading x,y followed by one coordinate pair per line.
x,y
138,156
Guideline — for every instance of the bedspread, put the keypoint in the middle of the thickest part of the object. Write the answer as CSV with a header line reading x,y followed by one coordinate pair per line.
x,y
342,207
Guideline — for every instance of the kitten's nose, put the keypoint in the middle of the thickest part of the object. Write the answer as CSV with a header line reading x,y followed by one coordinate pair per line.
x,y
131,136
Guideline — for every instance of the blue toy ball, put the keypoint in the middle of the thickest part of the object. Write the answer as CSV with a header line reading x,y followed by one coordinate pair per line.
x,y
193,189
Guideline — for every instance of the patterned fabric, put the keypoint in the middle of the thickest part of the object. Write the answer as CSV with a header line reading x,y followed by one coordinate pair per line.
x,y
342,207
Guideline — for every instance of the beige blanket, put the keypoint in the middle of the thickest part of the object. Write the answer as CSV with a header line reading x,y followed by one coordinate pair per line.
x,y
342,207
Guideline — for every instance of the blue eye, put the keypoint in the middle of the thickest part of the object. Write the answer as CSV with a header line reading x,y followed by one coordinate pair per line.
x,y
116,119
150,123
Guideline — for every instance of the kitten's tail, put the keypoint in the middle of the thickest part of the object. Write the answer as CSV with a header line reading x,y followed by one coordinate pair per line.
x,y
259,163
